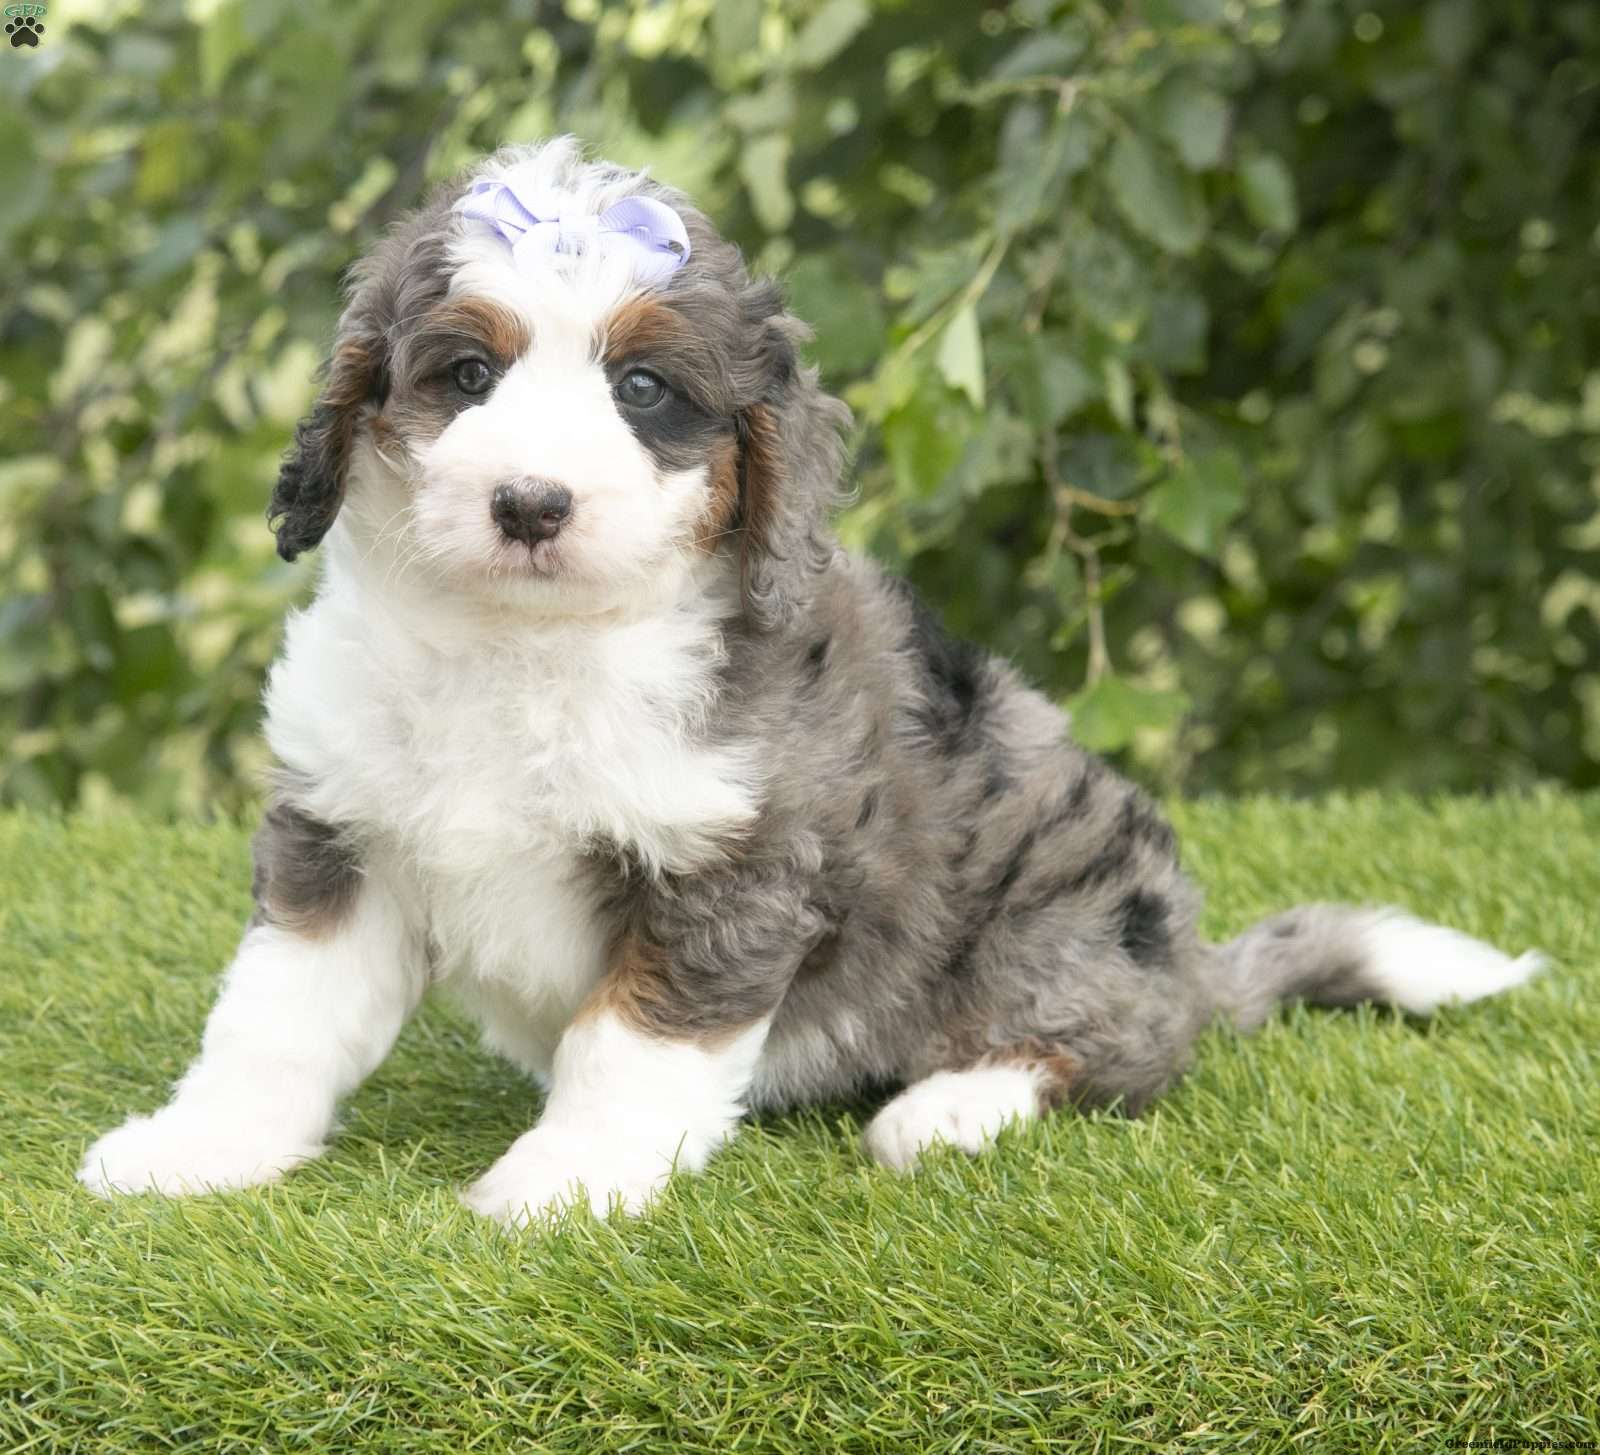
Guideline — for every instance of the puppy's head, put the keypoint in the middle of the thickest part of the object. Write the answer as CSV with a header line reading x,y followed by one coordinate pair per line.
x,y
566,402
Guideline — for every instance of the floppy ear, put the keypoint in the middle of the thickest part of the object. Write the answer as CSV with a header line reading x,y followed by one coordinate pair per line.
x,y
791,452
311,480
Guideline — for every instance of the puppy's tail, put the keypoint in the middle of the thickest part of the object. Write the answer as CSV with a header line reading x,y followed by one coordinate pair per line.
x,y
1336,954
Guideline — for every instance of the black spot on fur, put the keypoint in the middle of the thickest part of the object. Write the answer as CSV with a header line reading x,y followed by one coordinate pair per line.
x,y
678,433
1051,891
1144,933
1112,859
951,714
869,806
996,783
1066,808
1078,799
958,964
306,871
1006,880
816,660
1140,822
996,898
992,899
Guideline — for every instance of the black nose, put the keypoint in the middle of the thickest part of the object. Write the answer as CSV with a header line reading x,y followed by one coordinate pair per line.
x,y
530,511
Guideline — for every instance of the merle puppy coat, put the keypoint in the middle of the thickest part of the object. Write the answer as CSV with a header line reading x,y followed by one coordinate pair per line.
x,y
593,725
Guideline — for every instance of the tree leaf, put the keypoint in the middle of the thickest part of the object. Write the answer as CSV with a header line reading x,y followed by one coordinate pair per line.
x,y
1049,381
764,166
1195,504
1194,121
148,660
1452,28
1046,53
735,27
1109,285
1037,158
1106,465
1268,192
1107,715
1158,200
844,312
1119,390
960,356
827,33
926,437
223,41
24,182
769,109
1175,334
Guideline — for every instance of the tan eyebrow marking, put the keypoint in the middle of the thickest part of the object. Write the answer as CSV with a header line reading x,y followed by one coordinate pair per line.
x,y
502,331
640,326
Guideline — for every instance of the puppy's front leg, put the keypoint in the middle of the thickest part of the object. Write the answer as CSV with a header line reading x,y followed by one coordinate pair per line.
x,y
639,1086
306,1011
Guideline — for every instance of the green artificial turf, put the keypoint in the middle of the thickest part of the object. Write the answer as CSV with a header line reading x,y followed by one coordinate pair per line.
x,y
1349,1232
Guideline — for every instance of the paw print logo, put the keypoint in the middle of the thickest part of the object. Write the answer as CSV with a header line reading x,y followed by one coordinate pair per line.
x,y
24,31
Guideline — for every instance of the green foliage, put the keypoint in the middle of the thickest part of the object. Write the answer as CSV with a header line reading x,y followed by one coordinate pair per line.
x,y
1348,1234
1241,354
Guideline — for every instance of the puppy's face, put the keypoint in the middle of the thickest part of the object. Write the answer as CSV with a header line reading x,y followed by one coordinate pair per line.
x,y
555,429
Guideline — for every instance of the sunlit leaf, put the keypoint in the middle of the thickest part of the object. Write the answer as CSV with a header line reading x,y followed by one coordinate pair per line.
x,y
960,356
1106,716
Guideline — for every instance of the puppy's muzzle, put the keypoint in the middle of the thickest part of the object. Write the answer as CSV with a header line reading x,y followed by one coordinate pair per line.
x,y
531,510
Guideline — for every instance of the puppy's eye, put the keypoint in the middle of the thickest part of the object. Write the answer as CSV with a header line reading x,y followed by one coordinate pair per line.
x,y
640,389
472,376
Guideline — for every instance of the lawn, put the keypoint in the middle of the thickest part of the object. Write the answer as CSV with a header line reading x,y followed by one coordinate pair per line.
x,y
1349,1232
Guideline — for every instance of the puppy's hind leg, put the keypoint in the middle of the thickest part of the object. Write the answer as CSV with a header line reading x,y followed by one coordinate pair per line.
x,y
307,1010
966,1108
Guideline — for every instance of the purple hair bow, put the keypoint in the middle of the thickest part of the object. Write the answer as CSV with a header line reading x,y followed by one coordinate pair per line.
x,y
539,225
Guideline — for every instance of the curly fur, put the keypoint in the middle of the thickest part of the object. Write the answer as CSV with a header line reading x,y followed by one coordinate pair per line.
x,y
706,823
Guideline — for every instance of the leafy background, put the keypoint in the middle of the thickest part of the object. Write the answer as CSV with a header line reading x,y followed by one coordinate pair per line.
x,y
1231,365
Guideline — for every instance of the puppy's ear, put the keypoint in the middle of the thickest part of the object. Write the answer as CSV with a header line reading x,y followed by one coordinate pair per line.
x,y
791,452
311,480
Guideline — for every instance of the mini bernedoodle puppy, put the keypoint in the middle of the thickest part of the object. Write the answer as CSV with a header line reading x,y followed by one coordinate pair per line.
x,y
592,723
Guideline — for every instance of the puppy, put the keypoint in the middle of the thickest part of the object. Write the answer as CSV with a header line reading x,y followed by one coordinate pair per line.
x,y
594,725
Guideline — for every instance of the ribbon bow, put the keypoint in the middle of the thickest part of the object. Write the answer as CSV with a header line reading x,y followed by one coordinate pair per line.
x,y
538,226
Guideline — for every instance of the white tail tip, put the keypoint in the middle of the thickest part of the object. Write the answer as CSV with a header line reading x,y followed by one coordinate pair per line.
x,y
1419,967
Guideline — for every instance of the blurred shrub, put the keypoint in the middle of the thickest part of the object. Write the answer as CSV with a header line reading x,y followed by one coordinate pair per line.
x,y
1231,365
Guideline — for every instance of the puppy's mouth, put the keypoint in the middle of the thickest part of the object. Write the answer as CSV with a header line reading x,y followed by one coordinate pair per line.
x,y
545,559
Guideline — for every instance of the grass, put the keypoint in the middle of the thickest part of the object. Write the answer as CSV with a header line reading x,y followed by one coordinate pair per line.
x,y
1349,1232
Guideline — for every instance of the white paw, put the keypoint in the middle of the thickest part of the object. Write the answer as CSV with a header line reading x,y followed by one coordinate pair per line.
x,y
553,1167
963,1108
177,1152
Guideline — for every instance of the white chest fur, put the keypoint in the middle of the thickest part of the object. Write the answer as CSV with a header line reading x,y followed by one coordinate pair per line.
x,y
487,758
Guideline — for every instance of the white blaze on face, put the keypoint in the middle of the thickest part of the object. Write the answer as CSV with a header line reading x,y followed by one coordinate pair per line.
x,y
551,417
